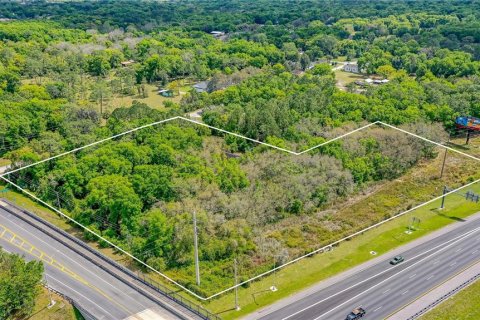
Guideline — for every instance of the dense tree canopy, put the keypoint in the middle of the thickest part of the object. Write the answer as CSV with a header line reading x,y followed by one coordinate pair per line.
x,y
270,77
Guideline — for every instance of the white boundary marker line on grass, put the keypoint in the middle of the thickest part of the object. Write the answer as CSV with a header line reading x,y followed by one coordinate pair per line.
x,y
253,278
2,176
428,140
90,145
240,136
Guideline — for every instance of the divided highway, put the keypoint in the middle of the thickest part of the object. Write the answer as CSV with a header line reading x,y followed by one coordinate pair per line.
x,y
99,292
382,289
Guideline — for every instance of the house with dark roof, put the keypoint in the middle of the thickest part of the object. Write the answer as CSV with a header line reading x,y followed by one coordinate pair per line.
x,y
201,86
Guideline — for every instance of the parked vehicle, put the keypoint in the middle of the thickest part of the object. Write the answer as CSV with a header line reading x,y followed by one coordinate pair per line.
x,y
397,260
357,313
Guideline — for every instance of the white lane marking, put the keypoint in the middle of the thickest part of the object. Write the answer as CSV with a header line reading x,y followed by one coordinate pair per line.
x,y
453,264
435,262
413,275
457,239
458,250
476,250
404,292
429,277
65,285
377,309
386,291
74,262
380,273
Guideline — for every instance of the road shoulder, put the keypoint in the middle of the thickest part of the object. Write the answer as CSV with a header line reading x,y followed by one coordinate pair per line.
x,y
341,276
434,296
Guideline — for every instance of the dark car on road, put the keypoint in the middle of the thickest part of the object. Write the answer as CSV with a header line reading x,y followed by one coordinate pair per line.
x,y
397,260
356,314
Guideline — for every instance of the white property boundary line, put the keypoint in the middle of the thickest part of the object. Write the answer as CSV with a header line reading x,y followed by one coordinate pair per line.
x,y
3,176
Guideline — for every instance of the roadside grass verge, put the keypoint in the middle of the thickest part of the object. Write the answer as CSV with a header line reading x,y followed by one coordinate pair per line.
x,y
62,310
462,306
418,185
306,272
309,271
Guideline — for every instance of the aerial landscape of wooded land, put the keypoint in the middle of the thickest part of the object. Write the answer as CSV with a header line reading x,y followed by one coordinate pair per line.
x,y
292,74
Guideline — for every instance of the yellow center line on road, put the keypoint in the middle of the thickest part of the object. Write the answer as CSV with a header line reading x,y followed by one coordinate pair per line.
x,y
29,248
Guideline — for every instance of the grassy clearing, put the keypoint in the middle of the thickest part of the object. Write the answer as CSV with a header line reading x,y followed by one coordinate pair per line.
x,y
462,306
472,148
154,100
4,162
344,78
62,310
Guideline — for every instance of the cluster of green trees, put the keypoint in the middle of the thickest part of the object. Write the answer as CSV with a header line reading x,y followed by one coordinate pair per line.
x,y
140,191
20,284
270,80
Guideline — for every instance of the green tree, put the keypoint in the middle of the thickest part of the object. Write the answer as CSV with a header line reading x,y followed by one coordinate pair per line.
x,y
20,284
114,201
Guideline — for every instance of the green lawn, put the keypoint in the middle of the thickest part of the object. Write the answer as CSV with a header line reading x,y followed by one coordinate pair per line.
x,y
154,100
462,306
344,78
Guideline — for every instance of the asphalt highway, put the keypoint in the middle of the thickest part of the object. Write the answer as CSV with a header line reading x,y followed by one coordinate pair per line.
x,y
383,288
96,290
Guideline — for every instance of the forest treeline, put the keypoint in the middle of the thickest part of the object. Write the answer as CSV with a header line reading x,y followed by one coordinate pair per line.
x,y
269,78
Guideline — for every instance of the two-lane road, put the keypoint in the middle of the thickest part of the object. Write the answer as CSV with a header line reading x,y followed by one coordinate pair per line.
x,y
382,289
96,290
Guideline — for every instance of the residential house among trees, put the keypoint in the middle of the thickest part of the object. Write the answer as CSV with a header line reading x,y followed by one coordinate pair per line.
x,y
127,63
201,86
351,67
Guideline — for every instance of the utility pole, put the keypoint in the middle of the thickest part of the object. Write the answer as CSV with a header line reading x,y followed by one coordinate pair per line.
x,y
273,288
195,240
237,307
58,200
443,198
468,136
52,302
443,164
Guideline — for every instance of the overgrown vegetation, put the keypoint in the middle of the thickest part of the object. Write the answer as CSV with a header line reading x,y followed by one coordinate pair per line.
x,y
63,80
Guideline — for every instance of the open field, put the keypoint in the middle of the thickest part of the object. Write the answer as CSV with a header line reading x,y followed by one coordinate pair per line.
x,y
344,78
114,101
462,306
154,100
